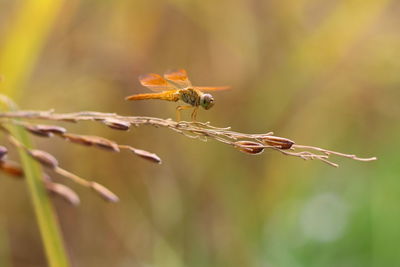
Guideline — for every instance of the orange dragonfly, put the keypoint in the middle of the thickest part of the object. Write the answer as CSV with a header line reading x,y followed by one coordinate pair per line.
x,y
175,86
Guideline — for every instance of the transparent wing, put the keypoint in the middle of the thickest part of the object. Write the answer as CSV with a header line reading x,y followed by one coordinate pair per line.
x,y
155,82
178,77
212,88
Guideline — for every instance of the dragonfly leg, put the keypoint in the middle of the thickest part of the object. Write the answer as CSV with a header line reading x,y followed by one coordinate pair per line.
x,y
178,111
194,113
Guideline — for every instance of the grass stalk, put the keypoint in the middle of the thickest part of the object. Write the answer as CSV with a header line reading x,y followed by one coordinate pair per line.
x,y
19,51
45,214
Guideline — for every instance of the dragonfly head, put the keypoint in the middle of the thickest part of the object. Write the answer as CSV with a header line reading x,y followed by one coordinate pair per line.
x,y
206,101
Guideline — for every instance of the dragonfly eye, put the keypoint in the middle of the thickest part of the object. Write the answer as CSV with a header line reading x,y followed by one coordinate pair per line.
x,y
206,101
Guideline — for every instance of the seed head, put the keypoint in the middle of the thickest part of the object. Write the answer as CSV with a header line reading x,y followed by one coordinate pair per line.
x,y
104,192
117,124
146,155
45,158
278,142
249,147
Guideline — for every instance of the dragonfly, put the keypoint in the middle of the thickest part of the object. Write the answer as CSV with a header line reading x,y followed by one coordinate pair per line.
x,y
174,86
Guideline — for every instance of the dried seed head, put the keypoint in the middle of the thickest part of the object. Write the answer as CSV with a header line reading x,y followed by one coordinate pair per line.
x,y
104,192
11,168
105,143
78,139
117,124
36,131
249,147
67,193
146,155
51,129
44,158
278,142
3,152
92,141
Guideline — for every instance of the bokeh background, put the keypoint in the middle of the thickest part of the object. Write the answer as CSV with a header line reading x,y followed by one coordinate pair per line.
x,y
323,73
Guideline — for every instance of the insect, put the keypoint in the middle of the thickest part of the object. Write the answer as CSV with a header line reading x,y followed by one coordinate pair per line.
x,y
175,86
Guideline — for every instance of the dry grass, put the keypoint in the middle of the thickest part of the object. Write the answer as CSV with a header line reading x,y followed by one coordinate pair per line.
x,y
253,144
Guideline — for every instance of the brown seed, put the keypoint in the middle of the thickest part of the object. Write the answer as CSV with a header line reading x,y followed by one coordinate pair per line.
x,y
36,131
44,158
249,147
65,192
78,139
45,130
92,141
279,142
11,168
146,155
104,192
3,152
105,143
117,124
51,129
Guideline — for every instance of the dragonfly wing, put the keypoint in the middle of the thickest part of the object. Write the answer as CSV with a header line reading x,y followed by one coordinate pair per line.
x,y
155,82
178,77
212,88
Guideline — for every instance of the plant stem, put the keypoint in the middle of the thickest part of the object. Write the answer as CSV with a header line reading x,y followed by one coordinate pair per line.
x,y
45,214
20,48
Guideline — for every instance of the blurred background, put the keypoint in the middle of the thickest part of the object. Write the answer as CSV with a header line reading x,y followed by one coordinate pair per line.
x,y
323,73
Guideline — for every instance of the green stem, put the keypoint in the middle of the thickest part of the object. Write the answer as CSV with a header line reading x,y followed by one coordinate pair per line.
x,y
19,50
45,214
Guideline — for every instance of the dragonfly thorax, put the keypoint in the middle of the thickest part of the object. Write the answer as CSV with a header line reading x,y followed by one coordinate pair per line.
x,y
196,98
190,96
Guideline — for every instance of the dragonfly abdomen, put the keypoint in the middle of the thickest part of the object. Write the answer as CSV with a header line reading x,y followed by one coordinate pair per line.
x,y
190,96
167,95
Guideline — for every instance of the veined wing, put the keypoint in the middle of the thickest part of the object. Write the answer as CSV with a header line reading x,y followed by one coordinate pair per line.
x,y
212,88
155,82
178,77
